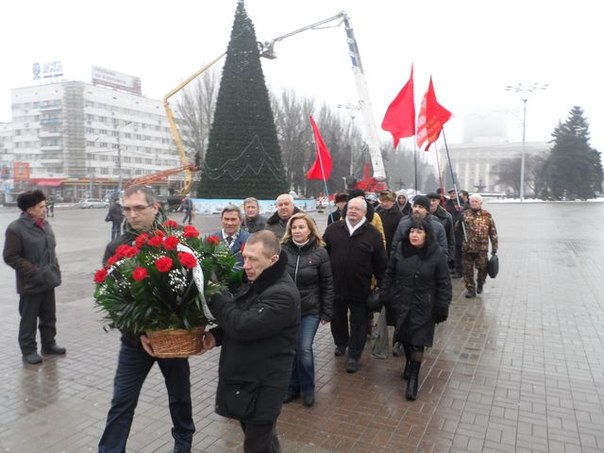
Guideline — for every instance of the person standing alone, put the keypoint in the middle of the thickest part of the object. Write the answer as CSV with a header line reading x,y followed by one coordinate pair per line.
x,y
187,207
29,248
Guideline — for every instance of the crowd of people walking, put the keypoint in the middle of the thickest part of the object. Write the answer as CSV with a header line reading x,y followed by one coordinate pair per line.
x,y
403,251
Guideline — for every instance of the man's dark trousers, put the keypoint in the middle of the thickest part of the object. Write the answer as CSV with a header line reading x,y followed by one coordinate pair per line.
x,y
133,366
32,306
356,337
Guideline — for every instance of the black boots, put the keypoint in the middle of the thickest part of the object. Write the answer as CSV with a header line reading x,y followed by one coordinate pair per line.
x,y
413,381
407,370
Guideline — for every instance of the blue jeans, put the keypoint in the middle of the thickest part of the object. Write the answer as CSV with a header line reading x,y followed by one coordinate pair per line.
x,y
132,368
302,379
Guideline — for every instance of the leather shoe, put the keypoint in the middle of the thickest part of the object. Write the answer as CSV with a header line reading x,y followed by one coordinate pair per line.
x,y
340,351
289,397
479,288
32,359
309,400
54,349
470,294
352,365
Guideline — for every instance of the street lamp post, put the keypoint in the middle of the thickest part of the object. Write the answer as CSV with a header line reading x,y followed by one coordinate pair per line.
x,y
524,91
119,153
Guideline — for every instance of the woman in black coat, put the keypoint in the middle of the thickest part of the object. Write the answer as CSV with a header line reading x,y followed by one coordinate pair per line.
x,y
309,266
418,287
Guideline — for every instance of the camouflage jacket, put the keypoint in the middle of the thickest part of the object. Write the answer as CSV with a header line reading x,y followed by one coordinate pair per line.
x,y
479,226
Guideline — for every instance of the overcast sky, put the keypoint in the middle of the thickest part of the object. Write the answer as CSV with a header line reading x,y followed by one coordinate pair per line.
x,y
473,49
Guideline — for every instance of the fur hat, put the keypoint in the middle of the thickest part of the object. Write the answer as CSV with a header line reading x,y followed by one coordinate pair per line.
x,y
387,195
29,199
433,196
422,200
341,197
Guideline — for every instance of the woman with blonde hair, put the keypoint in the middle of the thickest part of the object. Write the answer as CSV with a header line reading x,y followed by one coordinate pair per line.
x,y
309,266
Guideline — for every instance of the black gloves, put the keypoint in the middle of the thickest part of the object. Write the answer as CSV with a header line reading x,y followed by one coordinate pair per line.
x,y
440,314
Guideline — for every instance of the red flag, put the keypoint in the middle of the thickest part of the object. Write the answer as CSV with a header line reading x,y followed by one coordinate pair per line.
x,y
399,119
321,168
431,119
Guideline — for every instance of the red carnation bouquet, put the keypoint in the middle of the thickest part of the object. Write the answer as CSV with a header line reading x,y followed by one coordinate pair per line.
x,y
162,279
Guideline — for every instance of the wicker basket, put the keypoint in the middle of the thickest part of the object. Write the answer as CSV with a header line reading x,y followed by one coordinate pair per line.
x,y
176,343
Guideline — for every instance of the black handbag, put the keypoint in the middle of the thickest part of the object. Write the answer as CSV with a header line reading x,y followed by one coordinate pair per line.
x,y
493,266
373,301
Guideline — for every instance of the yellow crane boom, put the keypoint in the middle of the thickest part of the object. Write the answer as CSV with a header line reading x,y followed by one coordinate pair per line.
x,y
180,147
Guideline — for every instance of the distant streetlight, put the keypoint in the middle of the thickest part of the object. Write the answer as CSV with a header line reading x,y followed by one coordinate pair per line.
x,y
119,152
524,91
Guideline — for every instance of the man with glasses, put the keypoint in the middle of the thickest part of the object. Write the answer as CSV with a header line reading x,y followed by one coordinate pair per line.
x,y
29,248
143,214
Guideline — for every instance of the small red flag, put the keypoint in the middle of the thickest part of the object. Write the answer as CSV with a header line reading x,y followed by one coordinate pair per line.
x,y
399,119
321,168
431,119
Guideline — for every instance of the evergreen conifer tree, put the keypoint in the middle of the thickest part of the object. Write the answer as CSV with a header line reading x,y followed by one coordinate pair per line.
x,y
573,169
243,157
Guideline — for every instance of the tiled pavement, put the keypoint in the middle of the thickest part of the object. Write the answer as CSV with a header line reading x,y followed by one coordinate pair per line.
x,y
519,369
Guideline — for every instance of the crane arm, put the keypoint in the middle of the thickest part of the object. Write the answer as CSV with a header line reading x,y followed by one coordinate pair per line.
x,y
371,132
180,147
160,175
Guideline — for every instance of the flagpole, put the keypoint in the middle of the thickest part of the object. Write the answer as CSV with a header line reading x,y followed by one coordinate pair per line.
x,y
324,179
440,175
463,227
415,168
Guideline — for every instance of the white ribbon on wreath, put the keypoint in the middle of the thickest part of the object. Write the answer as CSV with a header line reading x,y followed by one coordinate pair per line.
x,y
199,282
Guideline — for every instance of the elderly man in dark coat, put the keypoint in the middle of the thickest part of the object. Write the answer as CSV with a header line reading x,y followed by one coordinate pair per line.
x,y
357,253
29,248
257,329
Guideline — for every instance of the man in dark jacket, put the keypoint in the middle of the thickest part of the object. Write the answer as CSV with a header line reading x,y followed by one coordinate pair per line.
x,y
29,248
390,215
232,234
285,209
257,329
356,252
116,217
455,206
446,220
421,208
252,220
135,357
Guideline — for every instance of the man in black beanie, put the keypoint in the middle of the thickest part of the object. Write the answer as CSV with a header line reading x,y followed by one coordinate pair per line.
x,y
29,248
421,208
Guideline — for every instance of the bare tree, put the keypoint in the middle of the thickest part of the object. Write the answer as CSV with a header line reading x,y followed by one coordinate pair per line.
x,y
196,108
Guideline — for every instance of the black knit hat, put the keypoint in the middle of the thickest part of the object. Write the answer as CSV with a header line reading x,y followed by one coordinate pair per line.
x,y
29,199
422,200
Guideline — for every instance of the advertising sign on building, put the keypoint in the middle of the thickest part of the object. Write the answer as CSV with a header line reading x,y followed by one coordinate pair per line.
x,y
47,70
117,80
20,171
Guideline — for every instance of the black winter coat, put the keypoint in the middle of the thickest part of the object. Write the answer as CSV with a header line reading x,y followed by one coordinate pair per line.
x,y
257,329
416,284
390,220
30,250
354,259
310,268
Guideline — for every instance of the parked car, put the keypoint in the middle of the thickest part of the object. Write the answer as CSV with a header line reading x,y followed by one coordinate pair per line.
x,y
91,203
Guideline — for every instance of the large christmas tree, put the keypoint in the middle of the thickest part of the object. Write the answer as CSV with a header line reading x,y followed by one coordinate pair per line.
x,y
243,157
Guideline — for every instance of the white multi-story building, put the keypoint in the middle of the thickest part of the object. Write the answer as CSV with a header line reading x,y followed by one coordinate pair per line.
x,y
81,140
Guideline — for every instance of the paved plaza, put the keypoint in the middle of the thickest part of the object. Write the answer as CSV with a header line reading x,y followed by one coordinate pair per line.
x,y
518,369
